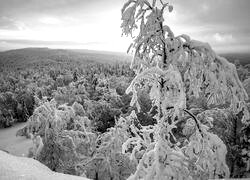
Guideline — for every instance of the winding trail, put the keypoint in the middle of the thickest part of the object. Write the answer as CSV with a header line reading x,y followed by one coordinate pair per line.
x,y
18,146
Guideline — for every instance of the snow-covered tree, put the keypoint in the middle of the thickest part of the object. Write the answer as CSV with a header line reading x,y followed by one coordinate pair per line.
x,y
177,69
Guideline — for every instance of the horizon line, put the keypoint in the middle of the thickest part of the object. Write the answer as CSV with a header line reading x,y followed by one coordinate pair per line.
x,y
105,51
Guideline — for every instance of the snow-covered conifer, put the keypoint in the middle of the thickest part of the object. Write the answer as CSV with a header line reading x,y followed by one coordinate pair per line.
x,y
176,69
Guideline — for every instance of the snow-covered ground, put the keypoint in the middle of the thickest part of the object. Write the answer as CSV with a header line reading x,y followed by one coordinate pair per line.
x,y
18,146
23,168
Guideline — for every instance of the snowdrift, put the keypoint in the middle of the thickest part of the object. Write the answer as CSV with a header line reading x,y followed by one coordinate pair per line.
x,y
13,167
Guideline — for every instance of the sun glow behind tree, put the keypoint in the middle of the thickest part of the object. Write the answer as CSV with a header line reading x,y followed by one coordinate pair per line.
x,y
102,33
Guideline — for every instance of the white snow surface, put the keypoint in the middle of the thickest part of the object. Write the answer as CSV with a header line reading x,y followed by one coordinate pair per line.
x,y
23,168
15,145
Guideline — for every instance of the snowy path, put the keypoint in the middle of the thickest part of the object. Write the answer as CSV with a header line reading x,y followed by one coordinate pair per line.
x,y
14,145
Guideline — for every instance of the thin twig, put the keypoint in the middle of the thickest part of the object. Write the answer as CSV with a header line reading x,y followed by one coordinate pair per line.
x,y
195,119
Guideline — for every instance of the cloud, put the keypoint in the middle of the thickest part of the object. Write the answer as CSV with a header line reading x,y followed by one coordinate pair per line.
x,y
230,12
40,42
11,24
222,38
50,20
56,7
222,23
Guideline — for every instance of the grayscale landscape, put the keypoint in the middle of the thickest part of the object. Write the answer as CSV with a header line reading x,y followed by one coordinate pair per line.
x,y
128,89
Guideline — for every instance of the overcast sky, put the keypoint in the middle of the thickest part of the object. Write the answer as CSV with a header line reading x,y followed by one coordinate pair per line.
x,y
95,24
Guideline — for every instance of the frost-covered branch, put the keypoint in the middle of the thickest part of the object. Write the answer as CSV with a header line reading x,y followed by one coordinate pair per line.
x,y
196,121
176,69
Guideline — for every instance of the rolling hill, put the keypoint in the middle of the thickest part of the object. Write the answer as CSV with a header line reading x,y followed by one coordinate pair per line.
x,y
44,55
244,58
